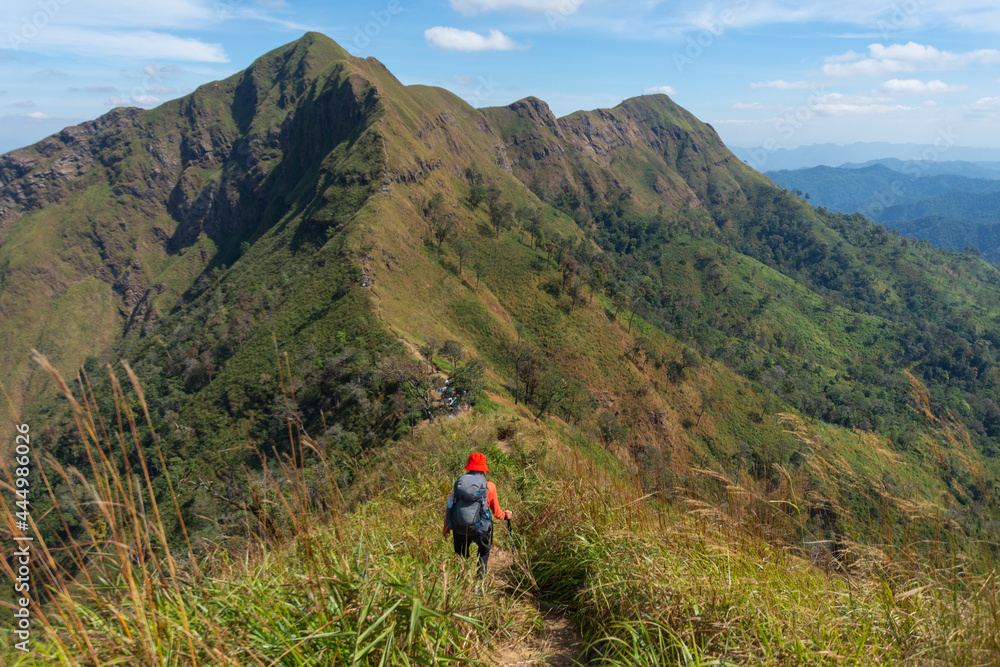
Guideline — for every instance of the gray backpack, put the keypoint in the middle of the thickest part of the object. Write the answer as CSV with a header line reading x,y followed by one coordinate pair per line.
x,y
469,513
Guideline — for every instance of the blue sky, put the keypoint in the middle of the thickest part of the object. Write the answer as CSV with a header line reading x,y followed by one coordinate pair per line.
x,y
774,73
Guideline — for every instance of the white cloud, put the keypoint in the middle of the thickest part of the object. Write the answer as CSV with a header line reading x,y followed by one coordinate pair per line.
x,y
988,104
984,109
37,115
735,121
132,44
857,109
94,89
918,87
137,101
984,21
557,7
779,84
128,28
910,57
463,80
845,57
132,15
126,14
453,39
854,100
161,71
751,105
849,109
665,90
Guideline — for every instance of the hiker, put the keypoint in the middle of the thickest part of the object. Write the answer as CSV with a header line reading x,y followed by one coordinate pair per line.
x,y
472,505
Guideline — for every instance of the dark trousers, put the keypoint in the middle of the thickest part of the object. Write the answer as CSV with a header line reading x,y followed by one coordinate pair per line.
x,y
482,540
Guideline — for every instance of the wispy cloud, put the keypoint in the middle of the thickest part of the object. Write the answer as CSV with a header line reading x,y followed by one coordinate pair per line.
x,y
918,87
665,90
25,104
136,101
453,39
779,84
990,103
94,89
910,57
838,104
119,28
560,7
144,44
984,109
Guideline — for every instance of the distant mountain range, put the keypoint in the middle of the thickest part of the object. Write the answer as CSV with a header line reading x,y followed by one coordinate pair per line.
x,y
989,170
832,155
947,210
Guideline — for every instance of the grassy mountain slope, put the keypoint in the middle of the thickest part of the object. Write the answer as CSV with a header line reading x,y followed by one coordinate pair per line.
x,y
307,225
124,215
660,329
364,577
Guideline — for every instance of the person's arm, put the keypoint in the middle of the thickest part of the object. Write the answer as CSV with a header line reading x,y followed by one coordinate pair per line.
x,y
493,503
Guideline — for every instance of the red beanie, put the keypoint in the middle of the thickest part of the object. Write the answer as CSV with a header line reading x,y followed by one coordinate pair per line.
x,y
477,462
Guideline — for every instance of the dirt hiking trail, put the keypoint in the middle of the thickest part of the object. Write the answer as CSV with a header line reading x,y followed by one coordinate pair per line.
x,y
558,644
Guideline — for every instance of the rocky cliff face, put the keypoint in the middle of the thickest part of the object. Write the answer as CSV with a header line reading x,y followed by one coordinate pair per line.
x,y
592,151
31,178
122,198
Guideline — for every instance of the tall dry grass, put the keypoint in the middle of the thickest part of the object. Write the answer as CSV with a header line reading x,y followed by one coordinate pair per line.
x,y
725,571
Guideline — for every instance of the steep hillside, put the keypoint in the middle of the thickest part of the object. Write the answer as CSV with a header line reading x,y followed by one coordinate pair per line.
x,y
108,226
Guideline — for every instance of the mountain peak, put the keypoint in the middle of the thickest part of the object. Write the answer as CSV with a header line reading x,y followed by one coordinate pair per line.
x,y
535,109
310,53
318,44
